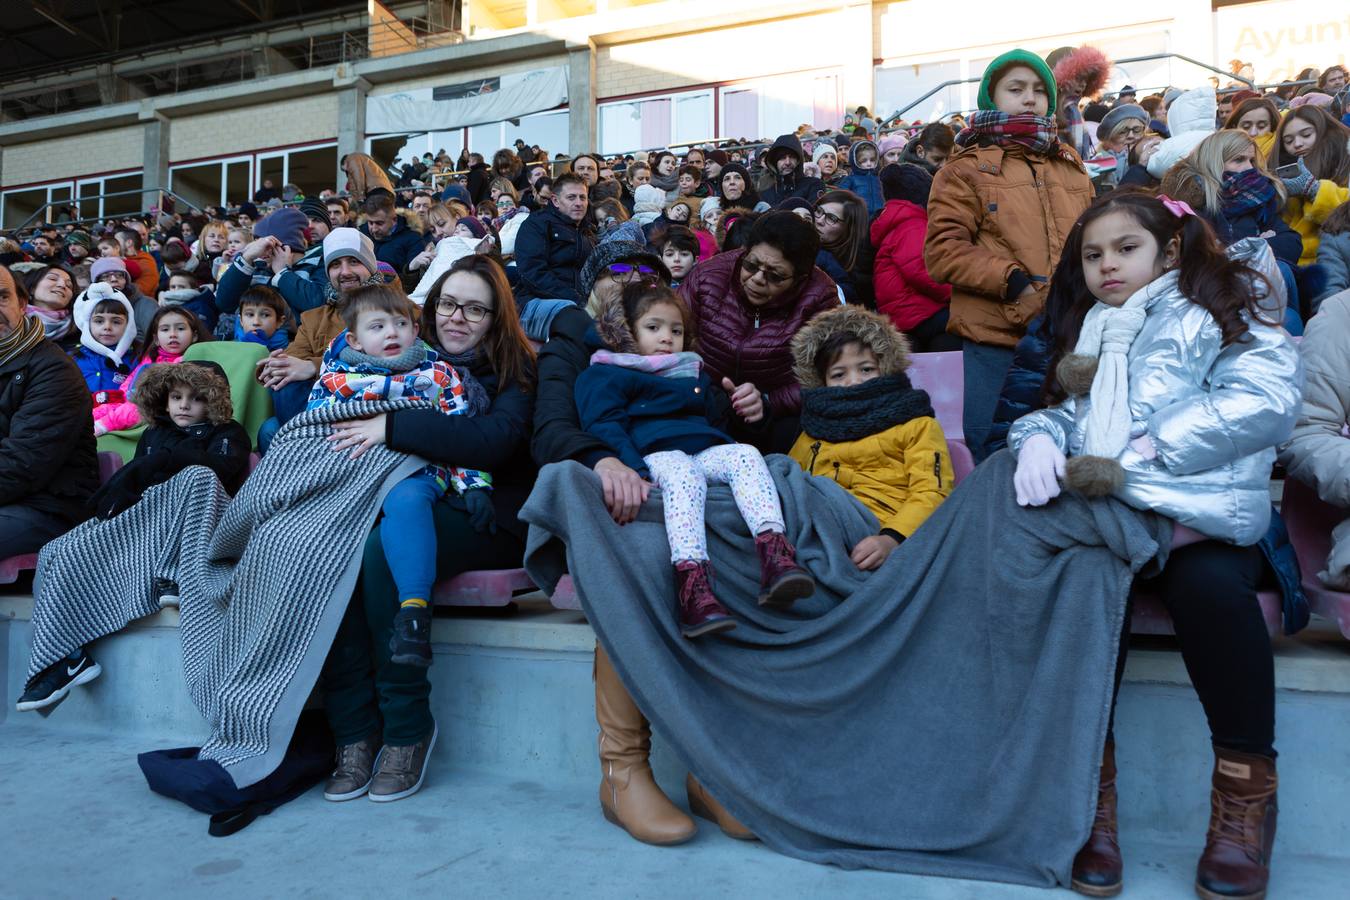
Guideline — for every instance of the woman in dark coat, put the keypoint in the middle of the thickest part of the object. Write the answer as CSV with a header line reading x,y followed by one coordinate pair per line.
x,y
471,321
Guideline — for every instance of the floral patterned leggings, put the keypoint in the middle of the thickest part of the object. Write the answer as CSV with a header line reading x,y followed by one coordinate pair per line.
x,y
684,480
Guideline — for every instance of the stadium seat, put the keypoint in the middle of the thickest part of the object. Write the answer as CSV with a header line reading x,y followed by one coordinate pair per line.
x,y
14,566
962,462
1150,616
942,376
1310,520
488,587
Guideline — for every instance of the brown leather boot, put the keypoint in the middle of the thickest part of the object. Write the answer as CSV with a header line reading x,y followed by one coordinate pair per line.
x,y
700,611
1236,861
782,582
705,805
1098,870
629,796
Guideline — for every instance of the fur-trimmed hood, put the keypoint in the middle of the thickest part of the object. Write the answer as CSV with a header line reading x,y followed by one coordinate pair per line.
x,y
613,329
872,330
208,378
1083,73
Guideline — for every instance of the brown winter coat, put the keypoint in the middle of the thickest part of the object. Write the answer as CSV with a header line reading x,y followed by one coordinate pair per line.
x,y
994,211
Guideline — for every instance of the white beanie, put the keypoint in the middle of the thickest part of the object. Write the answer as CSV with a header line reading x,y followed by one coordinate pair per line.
x,y
648,198
824,148
83,311
709,209
349,242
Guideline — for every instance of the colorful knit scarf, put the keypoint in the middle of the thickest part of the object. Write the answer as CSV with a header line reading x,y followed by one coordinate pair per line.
x,y
21,340
1037,134
668,365
1250,192
56,323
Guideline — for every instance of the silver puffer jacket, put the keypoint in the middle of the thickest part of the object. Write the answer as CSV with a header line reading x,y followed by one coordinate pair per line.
x,y
1215,414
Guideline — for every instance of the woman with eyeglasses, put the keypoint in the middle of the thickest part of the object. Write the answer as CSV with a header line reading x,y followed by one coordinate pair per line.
x,y
470,320
1119,130
846,253
748,304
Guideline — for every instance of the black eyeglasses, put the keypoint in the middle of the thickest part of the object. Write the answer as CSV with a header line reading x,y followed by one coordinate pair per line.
x,y
753,267
828,217
473,312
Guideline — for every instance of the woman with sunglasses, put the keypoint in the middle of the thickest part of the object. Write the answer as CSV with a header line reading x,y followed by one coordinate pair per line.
x,y
846,253
470,320
747,305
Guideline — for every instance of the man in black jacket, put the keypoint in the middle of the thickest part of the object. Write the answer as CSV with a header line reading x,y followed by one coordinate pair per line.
x,y
48,463
784,176
553,244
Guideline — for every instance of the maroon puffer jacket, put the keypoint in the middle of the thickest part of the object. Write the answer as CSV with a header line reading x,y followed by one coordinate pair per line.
x,y
747,343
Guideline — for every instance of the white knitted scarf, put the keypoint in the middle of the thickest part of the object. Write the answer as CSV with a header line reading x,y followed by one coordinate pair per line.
x,y
1108,333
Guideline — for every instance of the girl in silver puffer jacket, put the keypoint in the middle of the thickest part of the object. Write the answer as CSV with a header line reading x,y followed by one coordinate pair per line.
x,y
1172,384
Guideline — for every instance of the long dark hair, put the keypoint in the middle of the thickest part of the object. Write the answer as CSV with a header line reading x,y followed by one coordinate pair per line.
x,y
505,345
1206,276
857,237
1328,158
1254,103
148,345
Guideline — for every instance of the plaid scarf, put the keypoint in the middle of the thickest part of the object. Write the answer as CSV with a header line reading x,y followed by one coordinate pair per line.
x,y
1250,192
1036,133
22,339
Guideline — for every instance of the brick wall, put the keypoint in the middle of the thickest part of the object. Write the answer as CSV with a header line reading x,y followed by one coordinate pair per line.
x,y
71,157
251,128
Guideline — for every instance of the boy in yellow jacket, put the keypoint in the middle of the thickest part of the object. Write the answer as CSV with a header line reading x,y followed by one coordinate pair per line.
x,y
867,427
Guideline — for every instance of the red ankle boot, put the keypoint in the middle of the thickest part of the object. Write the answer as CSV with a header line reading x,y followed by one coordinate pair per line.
x,y
782,582
700,613
1236,861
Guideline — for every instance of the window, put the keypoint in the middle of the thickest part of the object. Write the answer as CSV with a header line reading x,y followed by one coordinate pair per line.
x,y
898,86
652,122
222,181
771,106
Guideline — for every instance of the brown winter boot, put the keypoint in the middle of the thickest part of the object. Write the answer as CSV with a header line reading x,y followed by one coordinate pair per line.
x,y
705,805
1236,861
1098,870
700,611
782,582
629,796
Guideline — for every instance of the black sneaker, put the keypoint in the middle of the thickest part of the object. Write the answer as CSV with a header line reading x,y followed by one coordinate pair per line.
x,y
55,682
410,643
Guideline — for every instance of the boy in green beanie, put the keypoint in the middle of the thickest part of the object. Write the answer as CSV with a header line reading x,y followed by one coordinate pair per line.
x,y
998,215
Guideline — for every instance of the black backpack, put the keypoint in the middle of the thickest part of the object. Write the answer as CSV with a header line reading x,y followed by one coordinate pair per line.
x,y
204,784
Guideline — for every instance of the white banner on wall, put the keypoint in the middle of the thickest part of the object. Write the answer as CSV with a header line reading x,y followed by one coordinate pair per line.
x,y
1281,39
507,97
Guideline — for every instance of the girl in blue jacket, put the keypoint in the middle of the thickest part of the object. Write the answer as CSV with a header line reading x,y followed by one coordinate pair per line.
x,y
650,400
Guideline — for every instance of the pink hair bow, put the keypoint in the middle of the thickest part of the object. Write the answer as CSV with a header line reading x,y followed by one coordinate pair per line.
x,y
1178,208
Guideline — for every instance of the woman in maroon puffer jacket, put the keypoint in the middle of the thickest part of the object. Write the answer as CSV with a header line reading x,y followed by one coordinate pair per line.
x,y
748,304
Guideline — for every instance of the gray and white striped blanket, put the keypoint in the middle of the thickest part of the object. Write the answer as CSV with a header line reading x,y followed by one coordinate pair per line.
x,y
264,579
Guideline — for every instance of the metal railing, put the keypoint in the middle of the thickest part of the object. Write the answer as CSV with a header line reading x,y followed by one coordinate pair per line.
x,y
77,201
1154,57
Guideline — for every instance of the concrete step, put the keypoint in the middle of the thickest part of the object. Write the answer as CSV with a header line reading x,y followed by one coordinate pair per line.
x,y
514,700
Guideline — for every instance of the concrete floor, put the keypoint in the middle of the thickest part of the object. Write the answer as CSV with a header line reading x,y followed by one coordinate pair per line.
x,y
79,823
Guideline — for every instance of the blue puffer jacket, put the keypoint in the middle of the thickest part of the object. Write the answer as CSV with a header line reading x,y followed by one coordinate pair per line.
x,y
866,183
100,373
1022,394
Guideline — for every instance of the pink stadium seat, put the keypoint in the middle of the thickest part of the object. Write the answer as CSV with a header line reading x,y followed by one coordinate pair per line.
x,y
962,461
1150,616
1310,520
253,460
565,595
488,587
942,376
14,566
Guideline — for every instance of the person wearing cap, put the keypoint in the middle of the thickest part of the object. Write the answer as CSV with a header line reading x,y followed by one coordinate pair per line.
x,y
1118,132
998,215
113,270
278,255
784,176
78,246
349,260
553,244
1127,95
826,158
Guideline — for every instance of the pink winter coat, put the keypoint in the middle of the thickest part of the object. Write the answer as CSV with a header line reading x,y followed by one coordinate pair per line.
x,y
707,244
905,291
121,416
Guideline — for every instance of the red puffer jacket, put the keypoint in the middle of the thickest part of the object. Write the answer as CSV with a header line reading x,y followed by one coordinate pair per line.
x,y
747,343
905,291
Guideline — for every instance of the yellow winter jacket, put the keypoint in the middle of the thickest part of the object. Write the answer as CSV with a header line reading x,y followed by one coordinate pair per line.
x,y
900,474
1307,217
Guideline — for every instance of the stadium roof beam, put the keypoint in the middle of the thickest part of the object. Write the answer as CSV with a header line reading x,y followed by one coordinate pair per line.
x,y
74,31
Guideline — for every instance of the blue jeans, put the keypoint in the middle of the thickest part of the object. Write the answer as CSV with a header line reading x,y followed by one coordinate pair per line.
x,y
986,368
287,402
408,535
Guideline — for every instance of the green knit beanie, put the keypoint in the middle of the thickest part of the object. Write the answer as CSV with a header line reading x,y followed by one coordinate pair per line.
x,y
1017,57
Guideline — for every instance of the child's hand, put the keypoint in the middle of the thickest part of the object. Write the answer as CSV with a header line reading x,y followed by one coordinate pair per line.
x,y
746,400
871,552
1143,445
1040,465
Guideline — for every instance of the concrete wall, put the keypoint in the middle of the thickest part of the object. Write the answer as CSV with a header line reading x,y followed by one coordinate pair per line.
x,y
222,133
62,158
456,76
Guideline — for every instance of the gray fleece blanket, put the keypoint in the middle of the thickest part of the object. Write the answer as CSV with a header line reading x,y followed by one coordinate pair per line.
x,y
943,715
263,579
